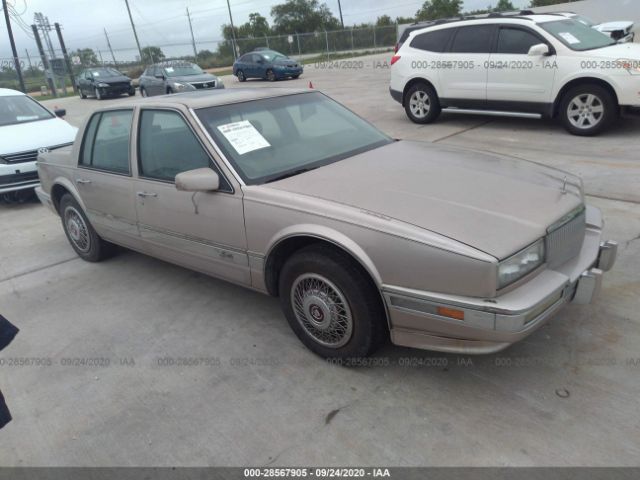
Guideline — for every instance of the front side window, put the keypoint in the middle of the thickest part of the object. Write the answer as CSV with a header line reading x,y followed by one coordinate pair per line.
x,y
577,35
473,39
435,41
271,138
16,109
516,41
106,142
167,147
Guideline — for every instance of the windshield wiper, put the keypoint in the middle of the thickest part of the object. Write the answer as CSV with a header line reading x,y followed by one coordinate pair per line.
x,y
291,174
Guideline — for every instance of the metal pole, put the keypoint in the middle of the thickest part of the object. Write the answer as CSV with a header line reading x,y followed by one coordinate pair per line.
x,y
326,36
28,59
193,40
340,9
65,55
133,27
45,62
115,64
266,39
374,37
298,40
16,60
100,55
233,32
352,44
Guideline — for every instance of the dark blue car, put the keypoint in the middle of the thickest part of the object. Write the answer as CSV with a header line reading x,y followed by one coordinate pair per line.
x,y
267,64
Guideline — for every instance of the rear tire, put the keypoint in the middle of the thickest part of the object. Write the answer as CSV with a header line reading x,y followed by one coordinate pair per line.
x,y
587,110
331,303
421,103
81,235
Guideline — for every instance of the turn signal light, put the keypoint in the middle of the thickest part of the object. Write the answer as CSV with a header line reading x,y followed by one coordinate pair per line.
x,y
394,59
451,313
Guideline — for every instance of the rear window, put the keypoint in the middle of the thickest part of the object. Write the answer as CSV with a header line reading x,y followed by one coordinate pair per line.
x,y
473,39
435,41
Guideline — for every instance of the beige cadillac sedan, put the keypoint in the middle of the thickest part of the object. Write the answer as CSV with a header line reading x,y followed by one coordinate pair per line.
x,y
361,237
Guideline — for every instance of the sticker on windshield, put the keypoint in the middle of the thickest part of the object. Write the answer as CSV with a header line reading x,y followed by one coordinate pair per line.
x,y
95,74
569,38
169,69
243,137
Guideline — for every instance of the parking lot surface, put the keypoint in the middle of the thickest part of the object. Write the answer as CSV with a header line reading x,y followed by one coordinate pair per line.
x,y
134,361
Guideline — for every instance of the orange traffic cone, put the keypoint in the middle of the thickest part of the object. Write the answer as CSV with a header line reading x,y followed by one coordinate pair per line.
x,y
310,85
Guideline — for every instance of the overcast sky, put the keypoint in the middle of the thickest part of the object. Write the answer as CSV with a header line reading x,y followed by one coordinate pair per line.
x,y
164,21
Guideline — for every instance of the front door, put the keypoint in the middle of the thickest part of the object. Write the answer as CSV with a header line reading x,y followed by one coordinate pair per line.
x,y
514,76
203,231
103,177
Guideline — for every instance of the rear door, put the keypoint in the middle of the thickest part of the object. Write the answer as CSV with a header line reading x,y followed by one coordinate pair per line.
x,y
103,176
204,231
516,77
463,74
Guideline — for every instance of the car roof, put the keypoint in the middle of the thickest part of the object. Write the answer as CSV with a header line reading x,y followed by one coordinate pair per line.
x,y
212,98
7,92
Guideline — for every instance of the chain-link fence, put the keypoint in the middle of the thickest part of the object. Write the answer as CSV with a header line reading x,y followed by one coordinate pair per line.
x,y
210,54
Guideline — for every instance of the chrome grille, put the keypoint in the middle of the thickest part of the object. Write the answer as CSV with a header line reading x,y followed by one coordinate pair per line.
x,y
564,241
22,157
211,84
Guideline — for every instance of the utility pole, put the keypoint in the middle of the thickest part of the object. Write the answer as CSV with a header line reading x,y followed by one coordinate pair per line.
x,y
193,40
28,58
233,32
45,62
133,27
340,9
16,60
115,64
42,23
65,55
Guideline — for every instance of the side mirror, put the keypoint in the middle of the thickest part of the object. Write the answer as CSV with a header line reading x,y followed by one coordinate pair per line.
x,y
198,180
539,50
60,112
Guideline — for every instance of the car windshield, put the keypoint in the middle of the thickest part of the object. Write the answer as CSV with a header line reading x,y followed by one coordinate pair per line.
x,y
272,56
576,35
105,72
183,70
277,137
21,109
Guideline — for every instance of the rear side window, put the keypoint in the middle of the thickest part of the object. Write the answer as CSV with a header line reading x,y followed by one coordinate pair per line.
x,y
473,39
167,147
516,41
106,142
432,41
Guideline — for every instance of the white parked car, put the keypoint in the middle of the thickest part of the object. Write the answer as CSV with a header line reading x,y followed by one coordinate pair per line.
x,y
25,128
528,65
620,31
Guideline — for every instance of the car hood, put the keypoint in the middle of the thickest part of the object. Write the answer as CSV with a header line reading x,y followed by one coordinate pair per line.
x,y
114,79
34,135
205,77
612,26
493,203
618,51
286,63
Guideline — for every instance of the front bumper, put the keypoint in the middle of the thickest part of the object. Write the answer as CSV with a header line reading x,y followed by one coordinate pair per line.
x,y
18,176
396,95
45,199
491,325
116,89
288,72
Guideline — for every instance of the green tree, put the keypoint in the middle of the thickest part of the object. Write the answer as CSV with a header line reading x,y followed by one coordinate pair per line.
x,y
87,56
544,3
152,54
384,21
433,9
504,6
303,16
403,20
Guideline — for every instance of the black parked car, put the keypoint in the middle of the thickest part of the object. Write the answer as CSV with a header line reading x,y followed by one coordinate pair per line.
x,y
102,82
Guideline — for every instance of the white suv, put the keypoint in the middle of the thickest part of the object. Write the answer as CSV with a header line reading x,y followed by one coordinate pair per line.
x,y
529,65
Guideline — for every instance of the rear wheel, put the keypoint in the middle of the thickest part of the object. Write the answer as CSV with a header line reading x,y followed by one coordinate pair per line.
x,y
587,110
331,304
241,76
422,104
81,235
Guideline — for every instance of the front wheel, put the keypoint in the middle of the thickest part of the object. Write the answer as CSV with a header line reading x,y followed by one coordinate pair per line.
x,y
331,304
241,76
143,91
132,92
271,76
81,235
97,94
82,94
587,110
422,104
295,77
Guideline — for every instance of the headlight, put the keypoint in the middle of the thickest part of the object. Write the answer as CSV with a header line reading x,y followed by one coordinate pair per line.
x,y
103,85
181,86
518,265
631,66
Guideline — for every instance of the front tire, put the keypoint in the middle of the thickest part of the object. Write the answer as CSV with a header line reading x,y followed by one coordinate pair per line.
x,y
82,94
331,303
271,76
81,235
97,93
143,91
587,110
241,76
422,104
132,92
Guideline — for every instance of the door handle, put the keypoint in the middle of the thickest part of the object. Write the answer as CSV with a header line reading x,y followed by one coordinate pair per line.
x,y
146,194
82,181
